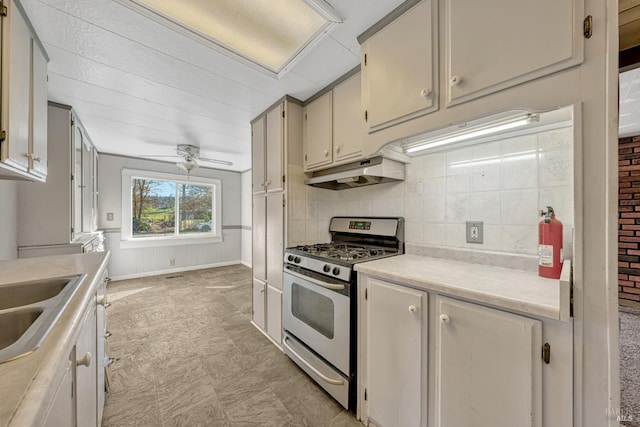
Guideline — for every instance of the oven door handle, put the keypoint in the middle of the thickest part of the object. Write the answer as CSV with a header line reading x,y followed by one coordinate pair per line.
x,y
308,365
335,286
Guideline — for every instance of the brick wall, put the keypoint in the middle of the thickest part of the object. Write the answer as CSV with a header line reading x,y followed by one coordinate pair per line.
x,y
629,218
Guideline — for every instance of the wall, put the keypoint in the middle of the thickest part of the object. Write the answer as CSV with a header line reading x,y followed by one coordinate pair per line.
x,y
629,219
8,220
136,262
502,183
246,203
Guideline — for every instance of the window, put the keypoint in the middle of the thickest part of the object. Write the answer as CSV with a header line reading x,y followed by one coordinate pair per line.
x,y
164,207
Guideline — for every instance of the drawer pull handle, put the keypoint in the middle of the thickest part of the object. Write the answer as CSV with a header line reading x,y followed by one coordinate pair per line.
x,y
425,93
444,318
455,80
84,360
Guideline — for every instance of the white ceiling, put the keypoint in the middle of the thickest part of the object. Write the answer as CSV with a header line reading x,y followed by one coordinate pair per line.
x,y
141,88
629,103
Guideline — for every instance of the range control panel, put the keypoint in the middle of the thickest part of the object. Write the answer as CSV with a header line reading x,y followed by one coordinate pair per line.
x,y
359,225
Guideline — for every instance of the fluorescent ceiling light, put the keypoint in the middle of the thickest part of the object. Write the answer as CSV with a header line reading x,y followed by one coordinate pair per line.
x,y
470,133
269,34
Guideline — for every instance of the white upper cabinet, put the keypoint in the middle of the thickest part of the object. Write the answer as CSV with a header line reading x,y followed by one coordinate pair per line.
x,y
399,69
348,122
275,149
317,132
23,152
267,142
257,155
495,44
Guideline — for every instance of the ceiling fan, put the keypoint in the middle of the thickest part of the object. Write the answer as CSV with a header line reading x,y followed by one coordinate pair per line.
x,y
191,155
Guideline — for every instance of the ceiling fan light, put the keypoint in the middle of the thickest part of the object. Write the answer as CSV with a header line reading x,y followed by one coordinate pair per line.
x,y
187,165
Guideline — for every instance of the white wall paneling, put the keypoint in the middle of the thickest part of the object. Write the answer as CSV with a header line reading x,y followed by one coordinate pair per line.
x,y
154,260
8,220
245,178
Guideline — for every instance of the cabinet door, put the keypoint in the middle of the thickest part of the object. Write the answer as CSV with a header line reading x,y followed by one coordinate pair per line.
x,y
275,239
274,313
396,328
86,372
87,186
275,149
257,155
39,113
317,133
16,87
76,183
488,367
259,289
60,413
259,236
495,44
348,122
398,73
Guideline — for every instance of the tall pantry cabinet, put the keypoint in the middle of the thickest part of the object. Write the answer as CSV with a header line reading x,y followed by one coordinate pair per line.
x,y
276,145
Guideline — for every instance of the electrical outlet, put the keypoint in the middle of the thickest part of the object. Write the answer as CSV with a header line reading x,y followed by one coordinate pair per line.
x,y
172,262
474,232
109,216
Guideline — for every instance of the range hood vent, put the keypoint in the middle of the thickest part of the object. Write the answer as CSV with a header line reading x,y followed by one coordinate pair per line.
x,y
376,170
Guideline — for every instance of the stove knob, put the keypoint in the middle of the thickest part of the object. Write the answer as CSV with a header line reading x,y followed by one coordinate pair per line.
x,y
290,258
326,268
296,259
336,271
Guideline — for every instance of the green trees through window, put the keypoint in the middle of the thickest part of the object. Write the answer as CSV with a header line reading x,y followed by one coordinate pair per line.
x,y
157,206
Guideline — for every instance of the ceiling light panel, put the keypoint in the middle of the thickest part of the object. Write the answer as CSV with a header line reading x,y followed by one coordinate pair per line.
x,y
269,34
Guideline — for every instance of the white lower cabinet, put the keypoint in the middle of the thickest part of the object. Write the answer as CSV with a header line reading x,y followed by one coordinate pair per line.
x,y
259,289
86,371
488,367
395,343
426,359
60,413
274,313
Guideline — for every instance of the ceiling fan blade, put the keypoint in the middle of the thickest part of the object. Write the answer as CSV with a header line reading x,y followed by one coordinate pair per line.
x,y
220,162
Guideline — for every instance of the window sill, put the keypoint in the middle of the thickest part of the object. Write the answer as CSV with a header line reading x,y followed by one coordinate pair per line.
x,y
168,241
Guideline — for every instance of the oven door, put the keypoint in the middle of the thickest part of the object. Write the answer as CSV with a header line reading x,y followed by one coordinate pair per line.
x,y
317,312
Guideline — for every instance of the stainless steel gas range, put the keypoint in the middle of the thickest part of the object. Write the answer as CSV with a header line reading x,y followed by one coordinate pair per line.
x,y
320,294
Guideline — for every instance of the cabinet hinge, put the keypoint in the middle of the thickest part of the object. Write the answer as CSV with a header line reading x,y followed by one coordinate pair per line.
x,y
365,59
72,121
3,9
305,158
365,394
305,116
283,178
3,135
366,115
72,178
366,293
72,229
587,27
283,114
546,352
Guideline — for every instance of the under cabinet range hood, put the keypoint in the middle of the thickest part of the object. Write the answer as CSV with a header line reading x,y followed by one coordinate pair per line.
x,y
376,170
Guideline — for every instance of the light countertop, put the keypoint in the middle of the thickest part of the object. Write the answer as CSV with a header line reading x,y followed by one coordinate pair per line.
x,y
28,384
510,289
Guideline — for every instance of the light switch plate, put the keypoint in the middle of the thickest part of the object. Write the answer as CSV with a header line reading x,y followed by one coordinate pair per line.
x,y
109,216
475,233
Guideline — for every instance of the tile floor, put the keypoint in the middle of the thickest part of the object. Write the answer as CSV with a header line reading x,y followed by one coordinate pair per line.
x,y
189,357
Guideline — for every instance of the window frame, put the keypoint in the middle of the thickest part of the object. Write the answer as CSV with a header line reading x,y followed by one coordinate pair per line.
x,y
127,239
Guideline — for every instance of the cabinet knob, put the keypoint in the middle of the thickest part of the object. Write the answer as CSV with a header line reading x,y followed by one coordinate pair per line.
x,y
262,291
266,183
84,360
37,159
413,309
425,93
107,335
444,318
455,80
326,153
101,300
336,149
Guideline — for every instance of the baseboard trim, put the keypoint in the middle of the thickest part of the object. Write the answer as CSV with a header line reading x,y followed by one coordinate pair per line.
x,y
174,270
246,264
268,337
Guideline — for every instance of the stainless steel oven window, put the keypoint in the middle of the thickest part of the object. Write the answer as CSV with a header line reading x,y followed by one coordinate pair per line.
x,y
314,309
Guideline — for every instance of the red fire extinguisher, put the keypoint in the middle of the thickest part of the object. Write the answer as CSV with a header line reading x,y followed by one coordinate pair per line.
x,y
549,245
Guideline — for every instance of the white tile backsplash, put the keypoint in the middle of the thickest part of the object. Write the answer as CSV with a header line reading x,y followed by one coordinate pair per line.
x,y
502,183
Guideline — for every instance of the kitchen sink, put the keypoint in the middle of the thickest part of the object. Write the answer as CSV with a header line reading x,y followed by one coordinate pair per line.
x,y
25,293
29,310
14,324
